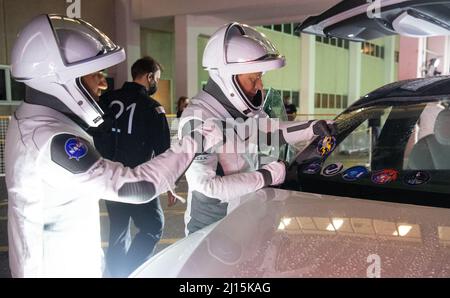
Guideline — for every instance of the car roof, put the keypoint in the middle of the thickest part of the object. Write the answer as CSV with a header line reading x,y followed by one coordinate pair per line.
x,y
280,233
420,88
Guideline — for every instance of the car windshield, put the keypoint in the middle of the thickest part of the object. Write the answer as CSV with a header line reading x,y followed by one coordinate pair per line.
x,y
393,144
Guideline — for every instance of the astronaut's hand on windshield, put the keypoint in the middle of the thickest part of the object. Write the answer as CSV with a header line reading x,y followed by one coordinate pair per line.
x,y
324,128
209,136
274,173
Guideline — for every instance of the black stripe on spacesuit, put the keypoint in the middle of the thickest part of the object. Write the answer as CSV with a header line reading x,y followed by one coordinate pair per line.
x,y
299,127
141,191
267,176
76,164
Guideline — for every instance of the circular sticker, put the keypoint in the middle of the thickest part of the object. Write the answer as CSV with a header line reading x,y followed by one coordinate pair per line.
x,y
416,178
384,176
332,169
355,173
326,145
75,148
312,168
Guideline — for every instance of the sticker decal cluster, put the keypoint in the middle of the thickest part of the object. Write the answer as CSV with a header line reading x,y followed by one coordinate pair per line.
x,y
326,145
355,173
332,169
416,178
384,176
75,148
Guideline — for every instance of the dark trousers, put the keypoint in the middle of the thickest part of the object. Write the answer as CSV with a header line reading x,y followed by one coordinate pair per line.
x,y
125,254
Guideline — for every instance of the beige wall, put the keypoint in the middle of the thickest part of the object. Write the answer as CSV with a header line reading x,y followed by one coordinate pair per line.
x,y
14,14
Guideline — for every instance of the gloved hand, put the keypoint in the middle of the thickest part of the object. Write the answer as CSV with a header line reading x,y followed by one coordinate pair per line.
x,y
324,128
274,173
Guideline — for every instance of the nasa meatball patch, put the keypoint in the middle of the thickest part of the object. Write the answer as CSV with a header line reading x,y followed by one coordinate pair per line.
x,y
73,153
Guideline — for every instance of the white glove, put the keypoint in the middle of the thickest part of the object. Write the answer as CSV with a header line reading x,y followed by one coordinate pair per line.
x,y
277,172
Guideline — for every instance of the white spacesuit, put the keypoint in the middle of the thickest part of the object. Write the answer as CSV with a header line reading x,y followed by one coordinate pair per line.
x,y
217,180
54,175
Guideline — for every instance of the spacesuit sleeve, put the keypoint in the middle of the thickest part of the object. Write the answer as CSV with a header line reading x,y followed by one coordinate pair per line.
x,y
202,177
76,163
292,132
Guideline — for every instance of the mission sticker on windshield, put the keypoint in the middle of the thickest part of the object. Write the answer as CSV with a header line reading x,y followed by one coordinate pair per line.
x,y
312,168
332,169
384,176
416,178
326,145
355,173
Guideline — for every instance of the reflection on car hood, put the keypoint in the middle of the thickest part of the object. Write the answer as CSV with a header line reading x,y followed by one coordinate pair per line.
x,y
279,233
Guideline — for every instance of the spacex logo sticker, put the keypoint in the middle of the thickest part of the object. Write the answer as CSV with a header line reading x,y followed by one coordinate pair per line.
x,y
416,178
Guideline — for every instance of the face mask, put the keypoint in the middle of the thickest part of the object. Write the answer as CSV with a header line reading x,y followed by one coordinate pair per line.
x,y
152,89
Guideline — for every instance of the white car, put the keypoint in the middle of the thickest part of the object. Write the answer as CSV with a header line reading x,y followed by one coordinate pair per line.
x,y
372,202
280,233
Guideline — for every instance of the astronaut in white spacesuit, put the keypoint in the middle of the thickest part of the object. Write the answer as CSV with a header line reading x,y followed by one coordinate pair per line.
x,y
54,175
236,56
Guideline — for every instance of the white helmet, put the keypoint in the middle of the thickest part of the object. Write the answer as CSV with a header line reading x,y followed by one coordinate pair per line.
x,y
237,49
53,52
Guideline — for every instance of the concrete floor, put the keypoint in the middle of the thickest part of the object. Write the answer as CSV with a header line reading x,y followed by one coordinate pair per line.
x,y
173,229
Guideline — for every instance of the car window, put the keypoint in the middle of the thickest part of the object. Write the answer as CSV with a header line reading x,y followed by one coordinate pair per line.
x,y
429,145
390,150
356,148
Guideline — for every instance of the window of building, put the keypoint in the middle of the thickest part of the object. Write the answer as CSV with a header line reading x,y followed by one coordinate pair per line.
x,y
287,28
338,102
331,102
372,50
337,42
317,101
346,44
2,85
286,94
397,56
344,101
324,102
296,98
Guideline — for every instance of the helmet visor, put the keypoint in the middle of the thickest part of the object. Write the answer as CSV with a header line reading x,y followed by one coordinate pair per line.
x,y
79,41
245,44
